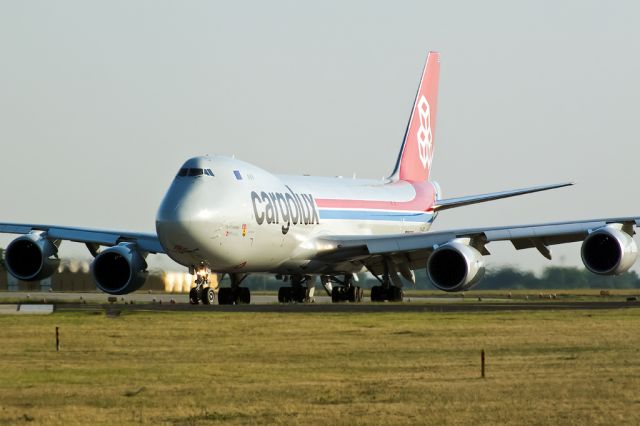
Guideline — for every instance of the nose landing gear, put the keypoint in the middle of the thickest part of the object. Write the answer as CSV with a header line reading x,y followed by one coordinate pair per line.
x,y
202,290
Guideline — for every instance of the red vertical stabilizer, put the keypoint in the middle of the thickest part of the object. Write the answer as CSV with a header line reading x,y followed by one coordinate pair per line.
x,y
416,153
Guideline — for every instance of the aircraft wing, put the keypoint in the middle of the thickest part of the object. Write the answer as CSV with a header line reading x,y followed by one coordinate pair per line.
x,y
146,242
451,203
414,249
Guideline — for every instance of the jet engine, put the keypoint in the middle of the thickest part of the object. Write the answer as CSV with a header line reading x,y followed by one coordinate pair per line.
x,y
32,257
609,251
120,269
455,266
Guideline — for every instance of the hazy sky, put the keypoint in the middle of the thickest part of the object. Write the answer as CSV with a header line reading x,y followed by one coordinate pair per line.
x,y
101,102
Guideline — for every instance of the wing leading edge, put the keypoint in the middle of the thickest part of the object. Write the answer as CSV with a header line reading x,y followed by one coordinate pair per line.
x,y
146,242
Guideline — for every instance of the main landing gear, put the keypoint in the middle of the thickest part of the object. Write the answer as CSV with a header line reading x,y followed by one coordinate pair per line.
x,y
301,290
386,291
344,291
234,295
202,290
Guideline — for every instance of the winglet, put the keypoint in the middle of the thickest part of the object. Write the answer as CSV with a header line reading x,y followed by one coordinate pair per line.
x,y
474,199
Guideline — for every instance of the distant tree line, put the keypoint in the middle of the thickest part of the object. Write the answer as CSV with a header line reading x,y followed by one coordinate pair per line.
x,y
555,277
508,277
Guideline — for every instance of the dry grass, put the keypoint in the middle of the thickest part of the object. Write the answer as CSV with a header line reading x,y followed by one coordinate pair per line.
x,y
532,294
198,368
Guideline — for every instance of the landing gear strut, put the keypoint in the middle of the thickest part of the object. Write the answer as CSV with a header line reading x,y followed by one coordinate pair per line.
x,y
202,290
345,291
301,290
234,295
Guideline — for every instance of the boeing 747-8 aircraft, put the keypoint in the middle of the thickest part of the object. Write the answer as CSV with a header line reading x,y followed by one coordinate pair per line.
x,y
222,215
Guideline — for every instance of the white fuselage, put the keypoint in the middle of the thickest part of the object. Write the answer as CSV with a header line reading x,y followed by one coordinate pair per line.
x,y
235,217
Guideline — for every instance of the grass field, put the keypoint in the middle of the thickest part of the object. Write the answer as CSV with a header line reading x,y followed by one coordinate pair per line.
x,y
551,367
530,294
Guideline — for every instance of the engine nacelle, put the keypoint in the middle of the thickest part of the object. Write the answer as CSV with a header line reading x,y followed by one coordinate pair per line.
x,y
120,269
609,251
455,266
32,257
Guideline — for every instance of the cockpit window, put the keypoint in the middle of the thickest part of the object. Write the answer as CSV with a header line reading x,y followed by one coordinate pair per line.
x,y
195,172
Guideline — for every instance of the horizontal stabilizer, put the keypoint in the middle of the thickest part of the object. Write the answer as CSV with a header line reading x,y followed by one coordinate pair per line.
x,y
474,199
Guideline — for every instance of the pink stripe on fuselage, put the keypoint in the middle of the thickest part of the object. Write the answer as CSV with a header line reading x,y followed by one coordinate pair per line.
x,y
423,201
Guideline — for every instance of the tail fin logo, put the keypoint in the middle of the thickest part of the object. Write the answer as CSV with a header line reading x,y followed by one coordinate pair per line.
x,y
416,154
424,134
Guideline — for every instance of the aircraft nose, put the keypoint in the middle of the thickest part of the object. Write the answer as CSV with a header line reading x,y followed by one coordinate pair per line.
x,y
181,211
176,206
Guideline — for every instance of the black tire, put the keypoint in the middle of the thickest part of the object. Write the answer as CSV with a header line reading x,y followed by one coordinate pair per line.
x,y
337,294
298,294
395,294
245,295
284,295
224,296
352,294
376,294
208,296
193,296
234,296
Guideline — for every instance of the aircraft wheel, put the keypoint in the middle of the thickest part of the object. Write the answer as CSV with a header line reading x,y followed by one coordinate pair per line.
x,y
245,295
284,295
193,296
224,296
337,294
298,294
376,294
208,296
352,294
395,294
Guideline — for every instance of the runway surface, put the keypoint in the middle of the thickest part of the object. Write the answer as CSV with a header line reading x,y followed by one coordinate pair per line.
x,y
268,303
